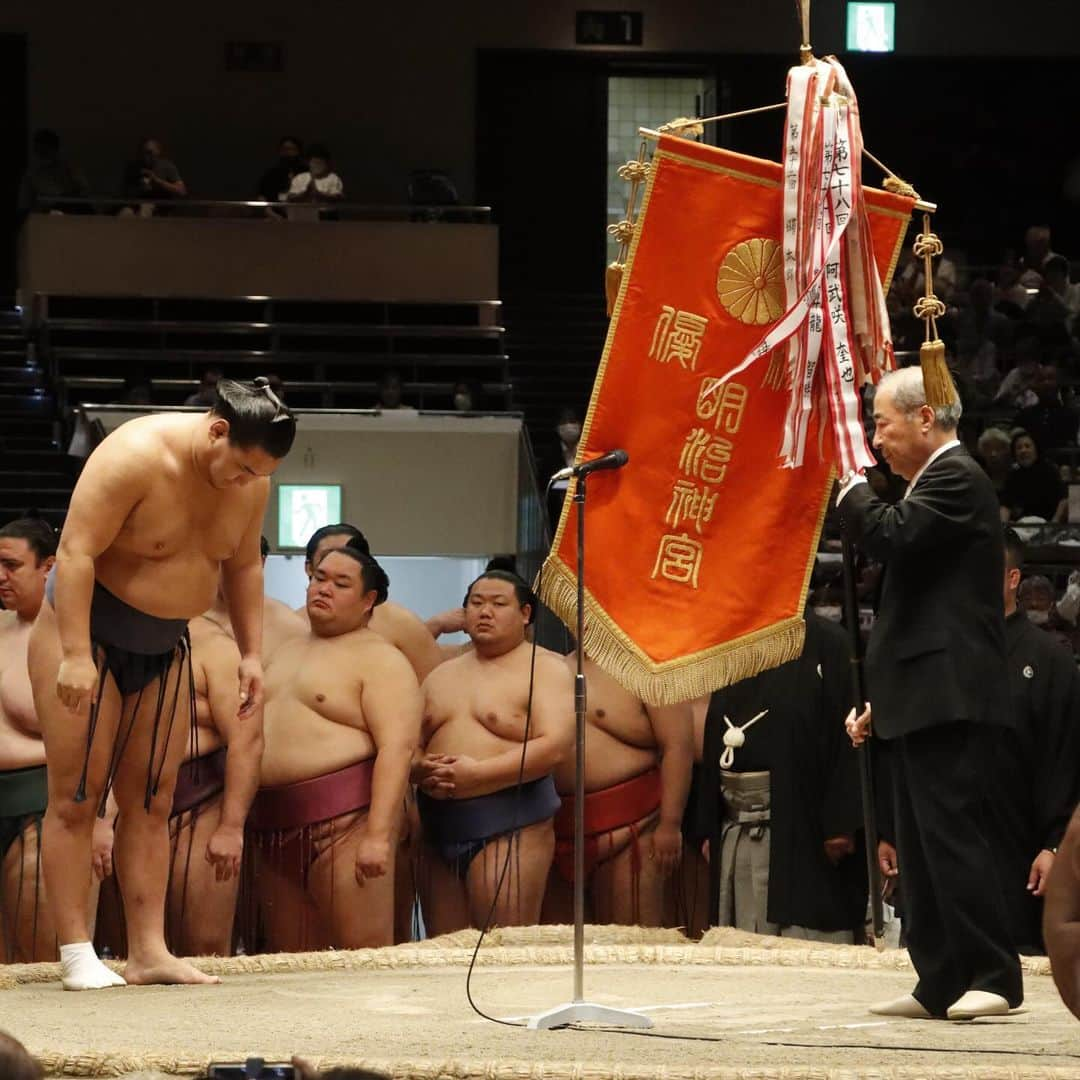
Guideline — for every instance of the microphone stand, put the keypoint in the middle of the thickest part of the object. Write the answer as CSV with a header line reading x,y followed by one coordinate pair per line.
x,y
866,775
579,1009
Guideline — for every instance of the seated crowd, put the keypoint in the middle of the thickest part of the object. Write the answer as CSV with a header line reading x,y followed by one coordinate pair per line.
x,y
301,174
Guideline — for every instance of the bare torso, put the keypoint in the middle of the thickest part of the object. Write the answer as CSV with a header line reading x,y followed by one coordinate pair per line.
x,y
167,556
405,631
20,735
619,738
280,623
476,706
314,722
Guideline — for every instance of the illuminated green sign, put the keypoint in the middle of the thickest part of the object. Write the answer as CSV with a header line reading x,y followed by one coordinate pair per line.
x,y
871,27
303,508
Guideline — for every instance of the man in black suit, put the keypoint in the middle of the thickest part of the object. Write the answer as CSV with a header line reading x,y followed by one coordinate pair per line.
x,y
1039,768
938,681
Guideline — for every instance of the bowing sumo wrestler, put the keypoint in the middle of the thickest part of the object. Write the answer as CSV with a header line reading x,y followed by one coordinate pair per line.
x,y
164,506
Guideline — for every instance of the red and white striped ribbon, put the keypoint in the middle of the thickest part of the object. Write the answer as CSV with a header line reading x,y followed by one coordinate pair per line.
x,y
835,325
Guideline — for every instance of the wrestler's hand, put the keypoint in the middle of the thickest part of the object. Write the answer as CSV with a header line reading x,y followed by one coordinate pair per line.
x,y
372,857
102,848
838,848
889,866
859,727
304,1069
76,682
457,775
667,847
1040,871
223,851
434,775
251,685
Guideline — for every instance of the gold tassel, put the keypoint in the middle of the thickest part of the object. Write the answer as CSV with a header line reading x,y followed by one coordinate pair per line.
x,y
612,281
937,379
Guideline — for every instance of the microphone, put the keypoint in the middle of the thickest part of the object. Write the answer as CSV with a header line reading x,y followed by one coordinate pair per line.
x,y
613,459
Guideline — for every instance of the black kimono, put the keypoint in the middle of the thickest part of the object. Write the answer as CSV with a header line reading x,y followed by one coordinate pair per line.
x,y
1039,767
814,781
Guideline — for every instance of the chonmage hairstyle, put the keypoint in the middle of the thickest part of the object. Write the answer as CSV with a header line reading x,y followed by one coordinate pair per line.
x,y
373,576
39,535
256,416
342,528
522,589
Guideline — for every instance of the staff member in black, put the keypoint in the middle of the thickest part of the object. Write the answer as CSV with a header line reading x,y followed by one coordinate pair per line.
x,y
1039,766
938,682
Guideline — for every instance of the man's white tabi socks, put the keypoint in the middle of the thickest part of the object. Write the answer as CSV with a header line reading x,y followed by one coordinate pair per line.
x,y
80,969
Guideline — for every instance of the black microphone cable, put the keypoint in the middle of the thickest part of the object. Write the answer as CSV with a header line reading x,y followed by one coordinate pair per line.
x,y
516,816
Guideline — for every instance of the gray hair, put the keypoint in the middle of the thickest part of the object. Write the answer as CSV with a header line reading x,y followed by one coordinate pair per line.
x,y
909,396
992,436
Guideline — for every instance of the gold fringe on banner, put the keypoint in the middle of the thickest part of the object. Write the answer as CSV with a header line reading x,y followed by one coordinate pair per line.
x,y
682,679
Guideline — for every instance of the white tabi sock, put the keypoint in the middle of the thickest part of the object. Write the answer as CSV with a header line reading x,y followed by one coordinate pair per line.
x,y
80,969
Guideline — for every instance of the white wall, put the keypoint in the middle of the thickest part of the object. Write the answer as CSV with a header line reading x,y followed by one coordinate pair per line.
x,y
426,586
391,86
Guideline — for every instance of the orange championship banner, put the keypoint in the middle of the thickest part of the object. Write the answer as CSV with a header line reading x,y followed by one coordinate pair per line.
x,y
700,549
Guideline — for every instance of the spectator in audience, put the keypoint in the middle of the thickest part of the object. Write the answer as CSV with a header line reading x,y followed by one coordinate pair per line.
x,y
49,177
463,398
1034,487
206,395
1037,251
137,390
152,176
907,331
1017,388
980,330
1036,599
1058,300
911,274
277,180
994,454
1010,297
15,1062
568,430
1050,423
390,392
1068,604
318,183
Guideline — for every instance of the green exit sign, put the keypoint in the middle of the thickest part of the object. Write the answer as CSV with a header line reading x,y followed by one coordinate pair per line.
x,y
871,27
303,508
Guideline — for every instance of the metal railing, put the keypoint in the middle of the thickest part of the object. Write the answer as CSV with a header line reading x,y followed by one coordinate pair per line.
x,y
275,211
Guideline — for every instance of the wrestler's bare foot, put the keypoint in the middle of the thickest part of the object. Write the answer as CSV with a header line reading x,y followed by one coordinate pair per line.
x,y
165,969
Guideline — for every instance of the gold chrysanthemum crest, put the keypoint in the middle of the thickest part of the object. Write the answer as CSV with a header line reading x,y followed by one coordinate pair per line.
x,y
750,282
